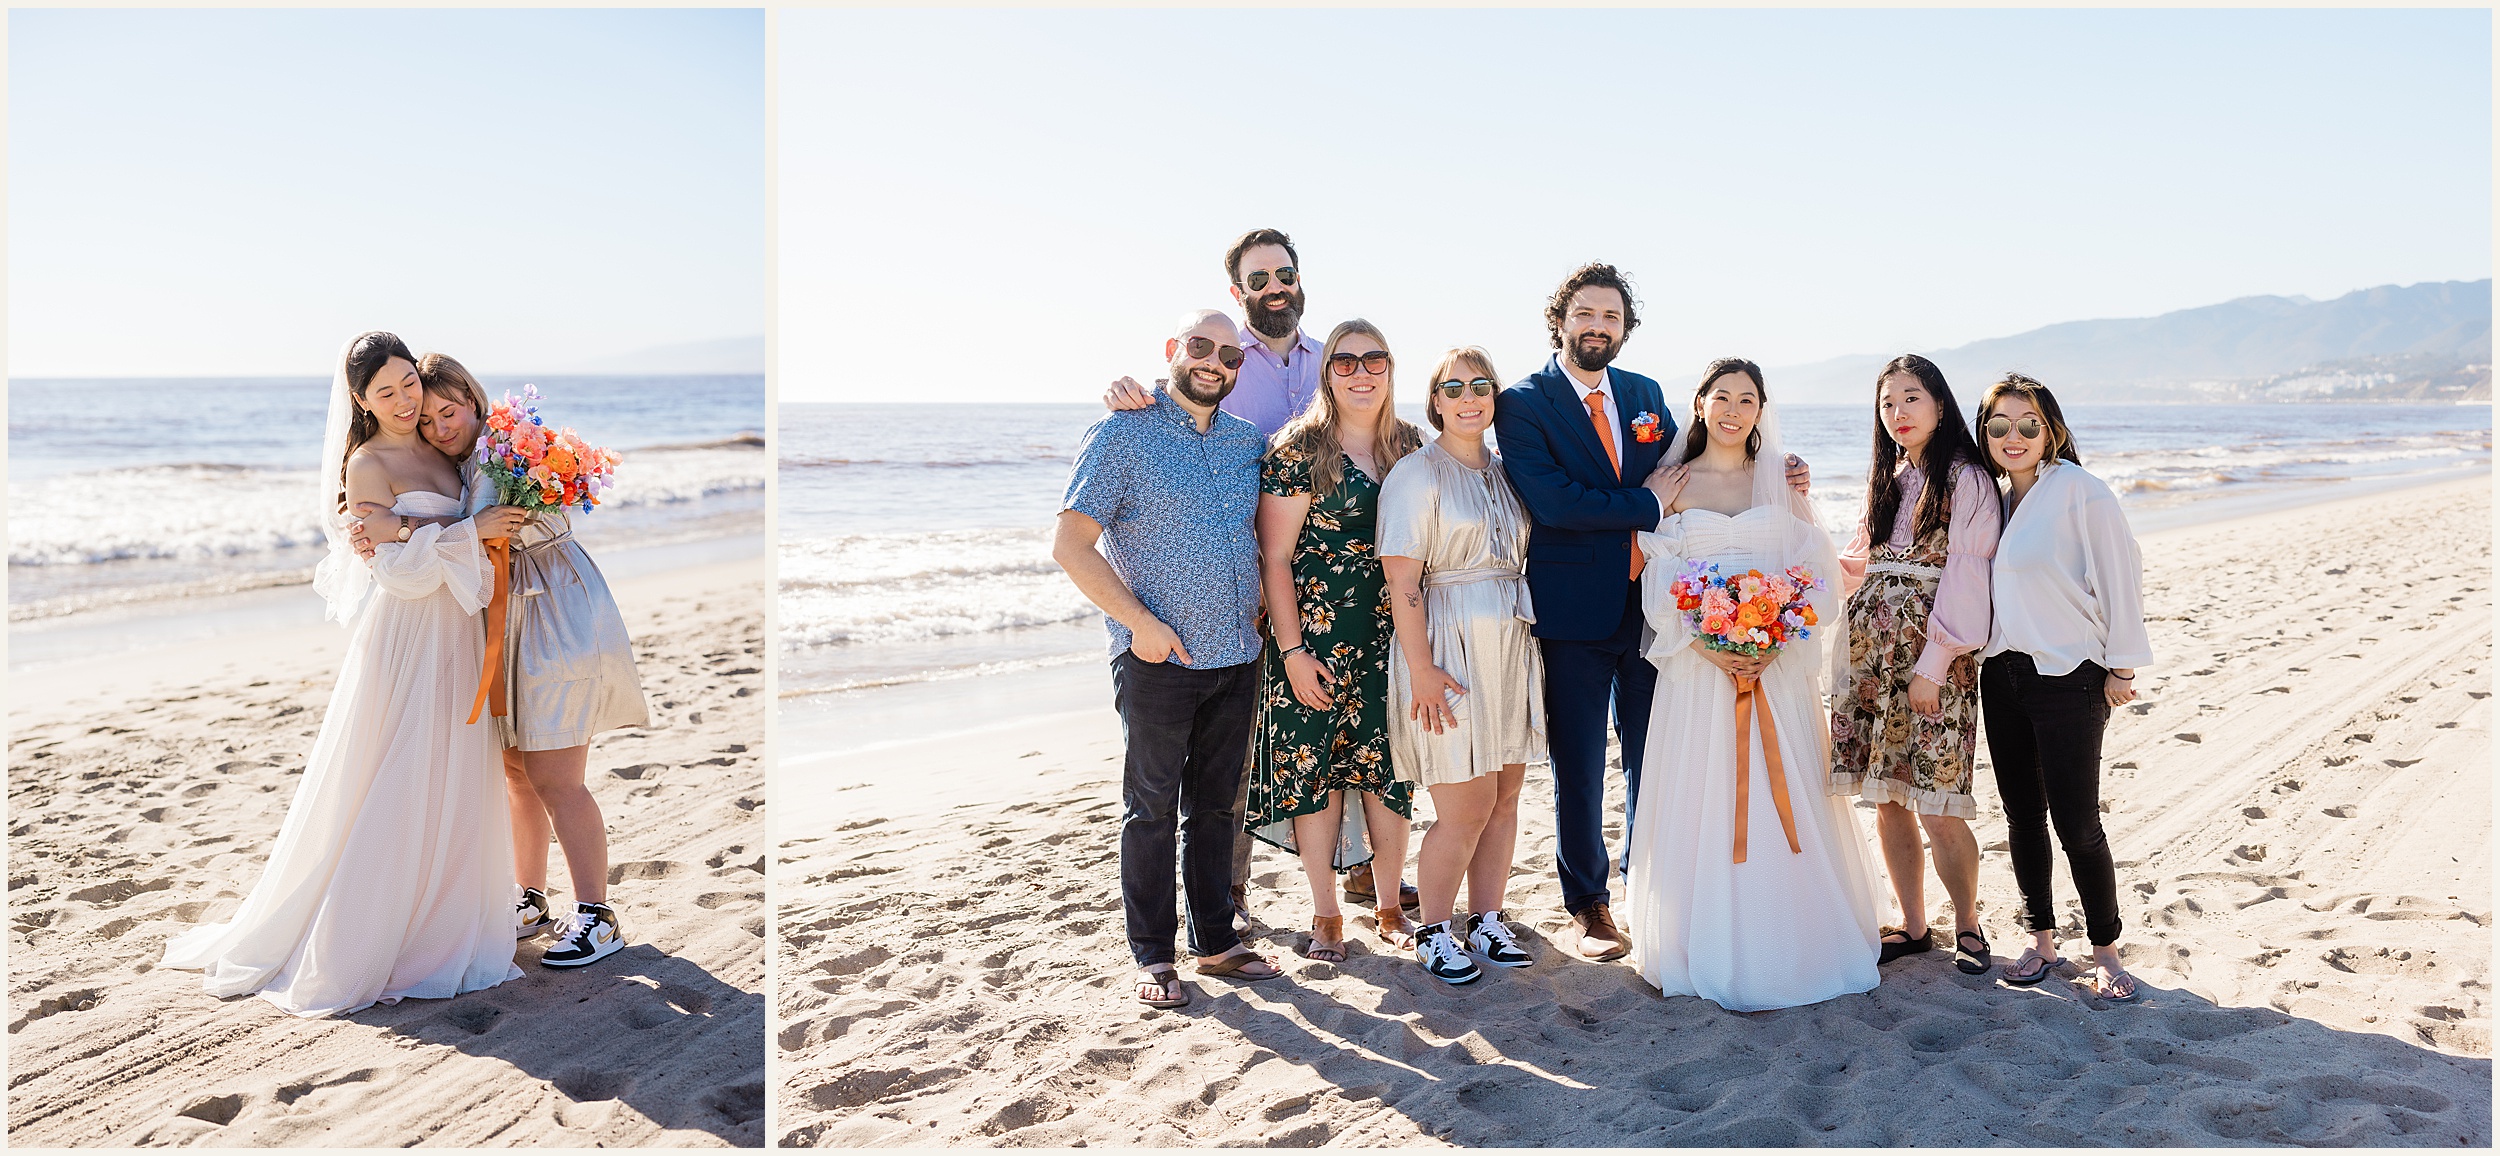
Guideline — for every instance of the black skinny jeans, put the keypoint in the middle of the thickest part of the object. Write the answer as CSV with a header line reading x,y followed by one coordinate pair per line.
x,y
2044,738
1188,737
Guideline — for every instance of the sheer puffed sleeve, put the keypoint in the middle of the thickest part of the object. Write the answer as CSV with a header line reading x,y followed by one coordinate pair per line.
x,y
1958,624
2114,569
1825,650
1664,549
444,557
1409,498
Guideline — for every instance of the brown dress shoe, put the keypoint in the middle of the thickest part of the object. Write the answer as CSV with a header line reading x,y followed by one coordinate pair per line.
x,y
1599,938
1360,888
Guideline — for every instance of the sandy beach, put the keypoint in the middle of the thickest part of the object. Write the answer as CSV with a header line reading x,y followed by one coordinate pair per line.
x,y
2300,805
144,791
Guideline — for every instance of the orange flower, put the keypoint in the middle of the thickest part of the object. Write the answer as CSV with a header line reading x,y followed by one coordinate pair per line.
x,y
560,460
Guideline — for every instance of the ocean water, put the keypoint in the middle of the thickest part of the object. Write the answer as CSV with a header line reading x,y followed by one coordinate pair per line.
x,y
137,491
915,540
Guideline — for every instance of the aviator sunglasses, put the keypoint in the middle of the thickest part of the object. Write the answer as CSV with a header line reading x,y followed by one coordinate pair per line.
x,y
1228,356
1480,386
2029,427
1344,363
1284,276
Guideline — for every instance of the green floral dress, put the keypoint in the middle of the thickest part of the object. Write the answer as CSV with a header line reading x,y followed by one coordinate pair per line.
x,y
1300,756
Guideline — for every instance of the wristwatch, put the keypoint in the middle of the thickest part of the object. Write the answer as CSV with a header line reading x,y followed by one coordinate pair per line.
x,y
404,527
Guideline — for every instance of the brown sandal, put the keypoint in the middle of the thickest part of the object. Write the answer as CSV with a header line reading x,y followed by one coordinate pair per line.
x,y
1396,929
1326,929
1238,965
1164,978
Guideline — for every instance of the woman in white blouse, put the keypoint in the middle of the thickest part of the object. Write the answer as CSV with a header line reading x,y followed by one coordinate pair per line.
x,y
2068,588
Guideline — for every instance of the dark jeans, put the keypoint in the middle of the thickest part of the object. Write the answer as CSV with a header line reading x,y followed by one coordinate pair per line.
x,y
1187,733
2044,737
1582,679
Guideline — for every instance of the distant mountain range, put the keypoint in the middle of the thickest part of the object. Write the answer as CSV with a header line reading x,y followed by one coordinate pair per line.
x,y
2430,341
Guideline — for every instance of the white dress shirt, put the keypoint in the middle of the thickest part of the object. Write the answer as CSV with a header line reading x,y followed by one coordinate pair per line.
x,y
2068,581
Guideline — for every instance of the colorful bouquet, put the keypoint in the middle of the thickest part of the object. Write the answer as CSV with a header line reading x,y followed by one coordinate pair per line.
x,y
539,469
1752,613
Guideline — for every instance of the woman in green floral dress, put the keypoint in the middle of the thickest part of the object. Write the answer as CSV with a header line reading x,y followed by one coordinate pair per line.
x,y
1323,727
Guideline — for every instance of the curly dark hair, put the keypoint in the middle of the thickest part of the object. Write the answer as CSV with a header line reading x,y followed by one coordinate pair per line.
x,y
1252,240
1947,449
1600,275
1718,369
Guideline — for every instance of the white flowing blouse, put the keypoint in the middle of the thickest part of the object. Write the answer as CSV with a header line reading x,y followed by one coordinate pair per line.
x,y
2068,580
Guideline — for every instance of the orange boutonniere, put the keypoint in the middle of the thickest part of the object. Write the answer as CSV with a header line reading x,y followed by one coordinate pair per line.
x,y
1645,427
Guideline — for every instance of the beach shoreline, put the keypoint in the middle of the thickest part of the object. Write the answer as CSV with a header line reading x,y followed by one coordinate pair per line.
x,y
145,786
2301,816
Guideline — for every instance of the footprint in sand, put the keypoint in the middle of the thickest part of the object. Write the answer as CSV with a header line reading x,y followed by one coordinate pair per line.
x,y
737,1103
218,1110
647,869
2342,812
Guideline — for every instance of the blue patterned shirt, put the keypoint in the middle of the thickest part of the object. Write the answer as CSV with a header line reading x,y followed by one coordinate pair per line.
x,y
1175,507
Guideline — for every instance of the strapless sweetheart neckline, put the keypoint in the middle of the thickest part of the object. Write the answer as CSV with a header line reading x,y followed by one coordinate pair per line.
x,y
1708,510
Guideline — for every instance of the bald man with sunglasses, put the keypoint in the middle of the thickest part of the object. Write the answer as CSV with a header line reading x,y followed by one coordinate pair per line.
x,y
1278,377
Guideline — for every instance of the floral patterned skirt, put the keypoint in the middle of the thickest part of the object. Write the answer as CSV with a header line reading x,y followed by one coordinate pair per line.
x,y
1881,749
1300,757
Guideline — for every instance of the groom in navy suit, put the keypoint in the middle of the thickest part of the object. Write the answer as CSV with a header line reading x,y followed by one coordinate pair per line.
x,y
1578,438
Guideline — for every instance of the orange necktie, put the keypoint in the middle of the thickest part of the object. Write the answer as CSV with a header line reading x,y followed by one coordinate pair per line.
x,y
1606,438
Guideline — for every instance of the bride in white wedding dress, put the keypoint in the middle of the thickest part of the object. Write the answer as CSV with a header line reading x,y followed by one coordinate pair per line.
x,y
1782,927
392,874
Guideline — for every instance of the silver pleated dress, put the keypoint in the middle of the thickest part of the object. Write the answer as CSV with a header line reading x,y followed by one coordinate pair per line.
x,y
1471,532
568,665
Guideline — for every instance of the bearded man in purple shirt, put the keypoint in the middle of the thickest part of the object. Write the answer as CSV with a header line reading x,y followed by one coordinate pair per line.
x,y
1276,381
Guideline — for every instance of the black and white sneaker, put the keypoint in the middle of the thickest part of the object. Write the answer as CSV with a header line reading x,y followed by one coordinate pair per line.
x,y
1491,938
590,934
1443,957
529,914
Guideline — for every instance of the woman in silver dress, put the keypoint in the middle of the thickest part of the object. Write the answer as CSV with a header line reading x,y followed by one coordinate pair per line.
x,y
568,674
1466,701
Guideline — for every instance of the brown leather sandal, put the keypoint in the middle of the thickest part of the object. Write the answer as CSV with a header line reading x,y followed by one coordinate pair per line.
x,y
1396,929
1326,929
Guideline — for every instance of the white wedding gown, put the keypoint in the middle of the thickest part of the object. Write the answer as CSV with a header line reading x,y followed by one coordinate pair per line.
x,y
392,875
1783,928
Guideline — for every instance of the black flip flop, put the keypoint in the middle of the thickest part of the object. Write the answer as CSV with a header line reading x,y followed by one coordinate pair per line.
x,y
1971,962
2047,965
1907,946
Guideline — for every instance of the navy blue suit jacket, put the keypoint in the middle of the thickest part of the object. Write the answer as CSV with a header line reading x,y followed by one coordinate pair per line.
x,y
1581,512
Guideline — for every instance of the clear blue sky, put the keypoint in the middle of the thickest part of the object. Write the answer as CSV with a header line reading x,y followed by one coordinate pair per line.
x,y
996,205
238,192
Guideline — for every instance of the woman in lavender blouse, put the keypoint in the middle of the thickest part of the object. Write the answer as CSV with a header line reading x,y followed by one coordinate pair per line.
x,y
1917,578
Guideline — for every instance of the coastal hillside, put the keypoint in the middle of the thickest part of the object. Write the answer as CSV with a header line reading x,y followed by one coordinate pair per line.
x,y
2426,342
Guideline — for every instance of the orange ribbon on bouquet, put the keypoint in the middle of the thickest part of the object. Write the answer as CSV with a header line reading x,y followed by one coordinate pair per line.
x,y
490,679
1747,691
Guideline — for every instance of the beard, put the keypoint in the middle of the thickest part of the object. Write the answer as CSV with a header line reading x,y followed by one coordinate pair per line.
x,y
1272,322
1199,391
1590,360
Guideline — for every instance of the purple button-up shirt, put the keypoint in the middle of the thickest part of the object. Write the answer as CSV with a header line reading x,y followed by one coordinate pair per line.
x,y
1269,389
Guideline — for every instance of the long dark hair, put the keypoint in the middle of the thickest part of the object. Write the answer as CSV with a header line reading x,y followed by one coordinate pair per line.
x,y
2061,436
1721,368
366,356
1948,448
